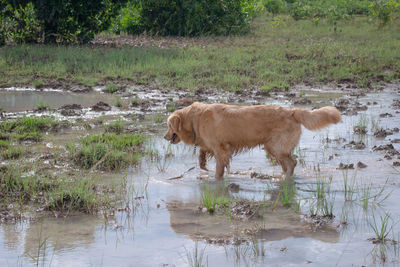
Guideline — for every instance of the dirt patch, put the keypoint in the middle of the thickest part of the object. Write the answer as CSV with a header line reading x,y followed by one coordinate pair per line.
x,y
71,110
101,106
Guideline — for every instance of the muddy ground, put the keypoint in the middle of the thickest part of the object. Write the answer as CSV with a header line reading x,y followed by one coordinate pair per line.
x,y
161,219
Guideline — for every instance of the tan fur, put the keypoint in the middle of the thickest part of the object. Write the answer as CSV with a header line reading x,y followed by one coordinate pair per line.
x,y
224,130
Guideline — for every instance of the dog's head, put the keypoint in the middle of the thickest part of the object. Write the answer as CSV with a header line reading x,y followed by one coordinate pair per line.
x,y
174,128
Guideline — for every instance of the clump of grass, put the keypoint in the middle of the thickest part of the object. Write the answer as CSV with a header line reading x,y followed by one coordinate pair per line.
x,y
100,120
13,152
171,107
37,83
27,128
42,106
288,194
4,144
382,228
118,102
209,199
52,193
78,196
111,88
361,127
158,118
115,126
107,151
196,258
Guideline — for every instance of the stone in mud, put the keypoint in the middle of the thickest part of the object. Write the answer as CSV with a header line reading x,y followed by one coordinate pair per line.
x,y
71,110
360,129
361,165
396,104
101,106
77,89
261,176
233,187
342,104
383,147
396,163
343,166
385,115
356,145
244,210
304,101
382,133
263,93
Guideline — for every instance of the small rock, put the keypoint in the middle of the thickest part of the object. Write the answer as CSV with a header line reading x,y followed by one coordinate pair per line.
x,y
361,165
204,210
385,115
304,101
234,187
346,166
396,163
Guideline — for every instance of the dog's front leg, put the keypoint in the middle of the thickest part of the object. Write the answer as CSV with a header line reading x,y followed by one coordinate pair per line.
x,y
203,159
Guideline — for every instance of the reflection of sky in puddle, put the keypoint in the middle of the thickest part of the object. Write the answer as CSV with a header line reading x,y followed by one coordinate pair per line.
x,y
152,235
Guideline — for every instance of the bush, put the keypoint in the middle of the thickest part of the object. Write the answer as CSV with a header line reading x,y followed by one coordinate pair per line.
x,y
384,10
193,17
19,24
128,19
55,21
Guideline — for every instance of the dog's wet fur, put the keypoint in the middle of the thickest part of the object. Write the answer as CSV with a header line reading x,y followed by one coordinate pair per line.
x,y
223,130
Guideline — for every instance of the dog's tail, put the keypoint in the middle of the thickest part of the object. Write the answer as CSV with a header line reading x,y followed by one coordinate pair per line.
x,y
317,118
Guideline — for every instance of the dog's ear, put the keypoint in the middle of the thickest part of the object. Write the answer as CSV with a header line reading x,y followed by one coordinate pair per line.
x,y
176,123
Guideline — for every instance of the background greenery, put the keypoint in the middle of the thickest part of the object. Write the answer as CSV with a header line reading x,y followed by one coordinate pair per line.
x,y
73,21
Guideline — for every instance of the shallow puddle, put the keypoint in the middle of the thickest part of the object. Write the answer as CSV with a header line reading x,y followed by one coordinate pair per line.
x,y
161,224
27,99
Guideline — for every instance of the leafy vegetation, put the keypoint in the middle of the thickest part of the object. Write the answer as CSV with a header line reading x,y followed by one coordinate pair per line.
x,y
66,21
185,18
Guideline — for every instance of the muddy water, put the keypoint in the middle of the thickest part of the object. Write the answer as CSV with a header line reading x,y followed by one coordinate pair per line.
x,y
28,99
163,226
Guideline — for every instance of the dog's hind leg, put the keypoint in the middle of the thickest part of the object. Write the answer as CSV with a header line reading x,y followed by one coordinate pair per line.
x,y
203,159
273,155
223,158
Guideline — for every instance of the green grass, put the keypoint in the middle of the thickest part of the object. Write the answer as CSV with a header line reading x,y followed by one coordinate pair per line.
x,y
382,228
111,88
115,126
272,56
50,192
108,151
26,128
42,106
118,102
13,152
211,198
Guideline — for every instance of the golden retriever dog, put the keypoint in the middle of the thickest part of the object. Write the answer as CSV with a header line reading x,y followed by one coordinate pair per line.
x,y
223,130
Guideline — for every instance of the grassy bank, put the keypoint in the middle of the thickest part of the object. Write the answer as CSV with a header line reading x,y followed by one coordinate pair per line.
x,y
278,53
61,178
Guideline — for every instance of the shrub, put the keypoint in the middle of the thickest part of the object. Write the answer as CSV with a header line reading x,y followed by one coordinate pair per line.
x,y
193,17
128,19
55,21
19,24
384,10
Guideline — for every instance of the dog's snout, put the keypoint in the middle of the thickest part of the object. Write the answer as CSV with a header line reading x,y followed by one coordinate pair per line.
x,y
165,137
